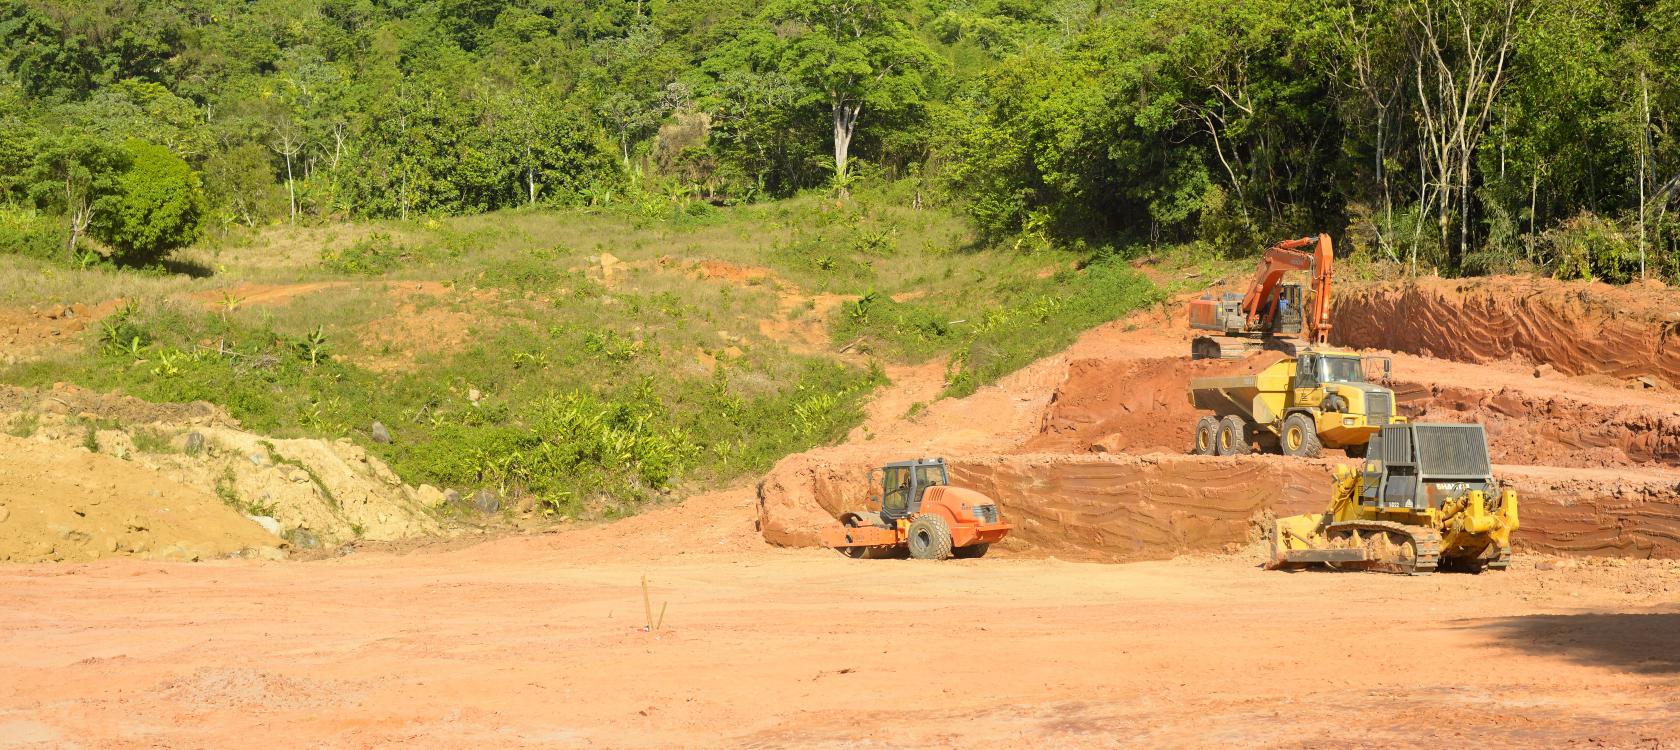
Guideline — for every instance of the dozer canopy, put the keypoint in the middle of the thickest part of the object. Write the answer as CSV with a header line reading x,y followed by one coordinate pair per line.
x,y
1423,465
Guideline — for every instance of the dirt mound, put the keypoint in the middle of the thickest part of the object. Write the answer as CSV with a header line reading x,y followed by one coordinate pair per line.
x,y
321,493
65,398
396,341
68,504
1132,406
1578,328
27,334
1101,507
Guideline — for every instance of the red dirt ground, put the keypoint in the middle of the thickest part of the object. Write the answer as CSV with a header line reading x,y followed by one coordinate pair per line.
x,y
537,641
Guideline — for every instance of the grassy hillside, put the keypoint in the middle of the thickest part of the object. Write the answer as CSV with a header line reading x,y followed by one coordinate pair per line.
x,y
588,360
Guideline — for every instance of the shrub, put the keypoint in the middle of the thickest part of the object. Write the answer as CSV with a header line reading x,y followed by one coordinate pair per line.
x,y
370,256
29,232
159,206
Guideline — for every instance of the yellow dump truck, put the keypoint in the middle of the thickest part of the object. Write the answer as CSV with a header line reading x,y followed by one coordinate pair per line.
x,y
1298,406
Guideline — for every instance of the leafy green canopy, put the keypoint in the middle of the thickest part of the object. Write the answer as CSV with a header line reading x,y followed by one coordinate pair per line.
x,y
158,206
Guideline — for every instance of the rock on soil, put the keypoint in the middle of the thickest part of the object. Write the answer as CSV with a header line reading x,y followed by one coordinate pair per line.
x,y
72,506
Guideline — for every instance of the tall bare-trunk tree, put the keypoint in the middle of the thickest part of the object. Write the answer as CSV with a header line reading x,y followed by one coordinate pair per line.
x,y
1462,52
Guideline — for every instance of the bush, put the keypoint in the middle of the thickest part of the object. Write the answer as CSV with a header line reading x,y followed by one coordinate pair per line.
x,y
990,341
28,232
370,256
1591,246
159,206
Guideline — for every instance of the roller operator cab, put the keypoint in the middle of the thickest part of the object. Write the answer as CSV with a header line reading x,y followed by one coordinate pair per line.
x,y
1297,406
916,511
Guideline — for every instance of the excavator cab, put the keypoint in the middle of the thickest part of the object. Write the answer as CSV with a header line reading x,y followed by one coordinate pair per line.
x,y
904,482
1287,320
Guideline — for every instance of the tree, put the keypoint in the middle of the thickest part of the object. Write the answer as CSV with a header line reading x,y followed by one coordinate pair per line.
x,y
241,181
159,206
1462,56
856,56
77,175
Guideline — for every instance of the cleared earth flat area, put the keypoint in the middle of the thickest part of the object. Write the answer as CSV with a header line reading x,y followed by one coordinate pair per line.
x,y
540,642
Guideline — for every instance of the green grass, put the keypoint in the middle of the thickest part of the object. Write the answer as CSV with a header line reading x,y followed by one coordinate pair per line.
x,y
595,394
149,440
227,490
24,425
983,339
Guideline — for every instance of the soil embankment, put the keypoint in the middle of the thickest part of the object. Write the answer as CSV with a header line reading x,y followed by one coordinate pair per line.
x,y
309,493
1594,456
1577,328
75,507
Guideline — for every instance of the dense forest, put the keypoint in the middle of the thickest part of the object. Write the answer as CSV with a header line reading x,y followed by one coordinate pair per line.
x,y
1465,136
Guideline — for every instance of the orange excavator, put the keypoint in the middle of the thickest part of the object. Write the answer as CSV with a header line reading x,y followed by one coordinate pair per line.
x,y
1253,321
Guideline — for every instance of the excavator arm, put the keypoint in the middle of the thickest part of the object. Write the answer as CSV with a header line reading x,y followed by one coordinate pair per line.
x,y
1260,303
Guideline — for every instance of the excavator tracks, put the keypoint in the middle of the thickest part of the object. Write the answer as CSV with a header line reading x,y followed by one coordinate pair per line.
x,y
1391,547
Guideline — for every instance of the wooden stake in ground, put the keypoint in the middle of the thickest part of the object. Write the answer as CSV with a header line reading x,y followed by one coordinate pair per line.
x,y
647,606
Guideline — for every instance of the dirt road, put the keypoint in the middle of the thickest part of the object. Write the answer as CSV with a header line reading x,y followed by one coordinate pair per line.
x,y
536,642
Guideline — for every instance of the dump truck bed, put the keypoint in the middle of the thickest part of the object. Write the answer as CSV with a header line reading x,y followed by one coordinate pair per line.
x,y
1229,395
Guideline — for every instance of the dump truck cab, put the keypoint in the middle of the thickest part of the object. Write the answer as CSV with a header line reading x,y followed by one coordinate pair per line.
x,y
1335,390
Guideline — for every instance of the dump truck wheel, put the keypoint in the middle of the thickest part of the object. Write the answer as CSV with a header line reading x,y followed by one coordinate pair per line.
x,y
1300,436
971,551
1207,433
1233,436
930,538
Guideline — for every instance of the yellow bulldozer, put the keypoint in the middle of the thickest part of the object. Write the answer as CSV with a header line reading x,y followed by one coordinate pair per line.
x,y
1423,499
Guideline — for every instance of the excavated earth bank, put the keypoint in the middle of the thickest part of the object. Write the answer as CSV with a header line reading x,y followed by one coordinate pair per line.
x,y
1572,381
1121,507
1578,328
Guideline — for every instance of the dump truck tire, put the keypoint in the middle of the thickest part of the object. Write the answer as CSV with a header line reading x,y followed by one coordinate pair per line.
x,y
1300,436
1207,435
1233,436
971,551
930,538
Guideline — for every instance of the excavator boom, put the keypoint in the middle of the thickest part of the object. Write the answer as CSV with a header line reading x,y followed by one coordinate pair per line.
x,y
1257,315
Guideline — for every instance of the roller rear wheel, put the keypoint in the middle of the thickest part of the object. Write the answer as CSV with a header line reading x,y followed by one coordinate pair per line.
x,y
930,538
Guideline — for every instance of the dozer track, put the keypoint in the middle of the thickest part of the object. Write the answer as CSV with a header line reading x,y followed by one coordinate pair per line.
x,y
1424,542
